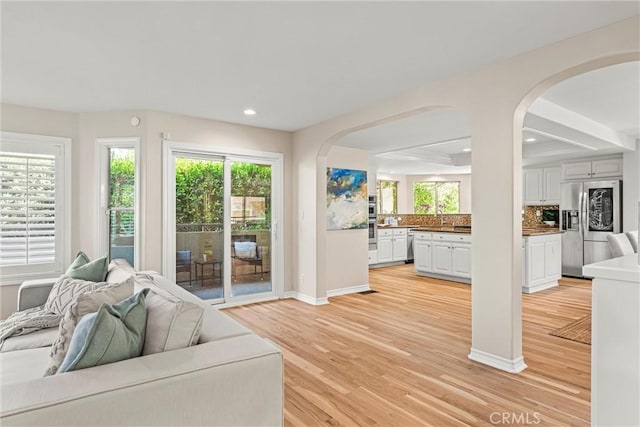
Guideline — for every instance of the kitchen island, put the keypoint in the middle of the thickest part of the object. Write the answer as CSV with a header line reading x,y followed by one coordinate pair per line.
x,y
445,253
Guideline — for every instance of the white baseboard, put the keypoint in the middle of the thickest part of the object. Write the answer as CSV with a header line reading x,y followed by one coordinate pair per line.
x,y
540,287
348,290
306,298
513,366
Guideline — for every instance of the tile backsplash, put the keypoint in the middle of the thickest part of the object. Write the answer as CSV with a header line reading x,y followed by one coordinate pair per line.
x,y
418,219
529,217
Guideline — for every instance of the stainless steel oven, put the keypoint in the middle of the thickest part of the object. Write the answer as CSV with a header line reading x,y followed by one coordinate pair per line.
x,y
373,231
373,210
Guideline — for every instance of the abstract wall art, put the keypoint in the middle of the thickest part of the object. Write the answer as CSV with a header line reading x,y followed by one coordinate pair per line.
x,y
347,199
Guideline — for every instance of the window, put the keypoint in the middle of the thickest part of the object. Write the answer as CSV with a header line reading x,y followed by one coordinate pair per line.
x,y
387,192
434,197
34,216
119,198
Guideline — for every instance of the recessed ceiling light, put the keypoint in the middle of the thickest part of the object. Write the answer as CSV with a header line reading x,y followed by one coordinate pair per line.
x,y
249,112
466,150
529,140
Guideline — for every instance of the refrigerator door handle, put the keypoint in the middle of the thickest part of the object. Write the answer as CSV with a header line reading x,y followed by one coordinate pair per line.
x,y
585,212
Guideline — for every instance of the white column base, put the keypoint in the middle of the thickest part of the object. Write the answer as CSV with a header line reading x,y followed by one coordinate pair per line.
x,y
508,365
306,298
348,290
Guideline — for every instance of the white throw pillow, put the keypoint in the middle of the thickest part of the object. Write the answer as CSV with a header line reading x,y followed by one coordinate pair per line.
x,y
245,249
119,271
171,322
65,290
633,239
82,305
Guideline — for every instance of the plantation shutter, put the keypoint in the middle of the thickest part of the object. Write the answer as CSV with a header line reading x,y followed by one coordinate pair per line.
x,y
34,230
27,209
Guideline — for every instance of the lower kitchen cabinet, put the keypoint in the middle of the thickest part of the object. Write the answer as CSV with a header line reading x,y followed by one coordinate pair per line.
x,y
542,262
422,252
392,245
443,255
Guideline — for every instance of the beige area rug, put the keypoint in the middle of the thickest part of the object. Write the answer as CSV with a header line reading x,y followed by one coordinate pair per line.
x,y
578,330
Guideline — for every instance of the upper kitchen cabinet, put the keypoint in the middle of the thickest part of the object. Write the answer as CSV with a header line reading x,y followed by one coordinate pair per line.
x,y
541,186
609,168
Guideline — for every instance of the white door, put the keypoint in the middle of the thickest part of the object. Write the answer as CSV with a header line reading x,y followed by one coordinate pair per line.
x,y
606,168
553,258
385,249
400,248
223,212
422,255
551,186
441,258
536,254
532,183
580,170
461,260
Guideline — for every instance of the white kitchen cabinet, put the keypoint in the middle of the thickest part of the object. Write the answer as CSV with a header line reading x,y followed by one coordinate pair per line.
x,y
422,252
385,246
399,240
443,255
461,259
373,257
608,168
541,186
543,262
392,245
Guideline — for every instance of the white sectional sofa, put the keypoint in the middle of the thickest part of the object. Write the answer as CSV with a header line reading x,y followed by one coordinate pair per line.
x,y
231,378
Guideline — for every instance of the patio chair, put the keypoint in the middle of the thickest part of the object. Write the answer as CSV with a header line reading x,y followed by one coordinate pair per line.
x,y
183,263
244,249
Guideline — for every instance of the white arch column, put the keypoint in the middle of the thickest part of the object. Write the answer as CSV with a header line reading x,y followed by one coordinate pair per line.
x,y
496,292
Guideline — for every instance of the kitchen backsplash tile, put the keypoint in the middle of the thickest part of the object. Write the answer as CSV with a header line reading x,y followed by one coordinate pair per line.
x,y
530,219
418,219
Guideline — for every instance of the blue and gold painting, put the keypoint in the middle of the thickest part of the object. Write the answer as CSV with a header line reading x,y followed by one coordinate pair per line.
x,y
347,199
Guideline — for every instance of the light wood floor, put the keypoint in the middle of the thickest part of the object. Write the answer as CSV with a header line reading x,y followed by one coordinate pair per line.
x,y
399,357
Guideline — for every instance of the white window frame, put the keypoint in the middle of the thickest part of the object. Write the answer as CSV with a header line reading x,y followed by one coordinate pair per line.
x,y
102,166
276,160
61,148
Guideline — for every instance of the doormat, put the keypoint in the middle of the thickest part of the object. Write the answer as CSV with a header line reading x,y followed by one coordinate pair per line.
x,y
370,291
578,330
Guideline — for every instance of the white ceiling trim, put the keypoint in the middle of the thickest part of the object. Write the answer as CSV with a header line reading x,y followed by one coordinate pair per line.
x,y
555,113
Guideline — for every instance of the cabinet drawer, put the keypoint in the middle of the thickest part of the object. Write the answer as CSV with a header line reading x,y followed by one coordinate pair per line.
x,y
452,237
422,236
399,231
384,232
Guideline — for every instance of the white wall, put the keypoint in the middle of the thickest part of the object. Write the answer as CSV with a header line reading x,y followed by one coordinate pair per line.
x,y
631,188
85,128
348,256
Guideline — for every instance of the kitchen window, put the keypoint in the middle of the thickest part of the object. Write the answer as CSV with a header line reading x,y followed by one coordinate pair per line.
x,y
387,192
436,197
34,206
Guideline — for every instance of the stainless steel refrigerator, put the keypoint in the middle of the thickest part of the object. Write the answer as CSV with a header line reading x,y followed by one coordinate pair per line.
x,y
589,211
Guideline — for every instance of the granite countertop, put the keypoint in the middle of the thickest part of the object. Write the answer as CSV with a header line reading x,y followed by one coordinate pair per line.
x,y
526,232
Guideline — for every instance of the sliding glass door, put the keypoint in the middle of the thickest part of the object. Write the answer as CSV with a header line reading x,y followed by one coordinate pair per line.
x,y
199,213
250,228
223,209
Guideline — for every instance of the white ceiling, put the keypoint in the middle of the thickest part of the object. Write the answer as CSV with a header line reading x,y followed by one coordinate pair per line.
x,y
434,142
296,63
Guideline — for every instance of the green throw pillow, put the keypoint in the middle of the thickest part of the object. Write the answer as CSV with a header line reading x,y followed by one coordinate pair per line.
x,y
85,269
114,333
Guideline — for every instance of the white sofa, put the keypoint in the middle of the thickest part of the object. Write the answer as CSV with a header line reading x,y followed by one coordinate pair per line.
x,y
231,378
